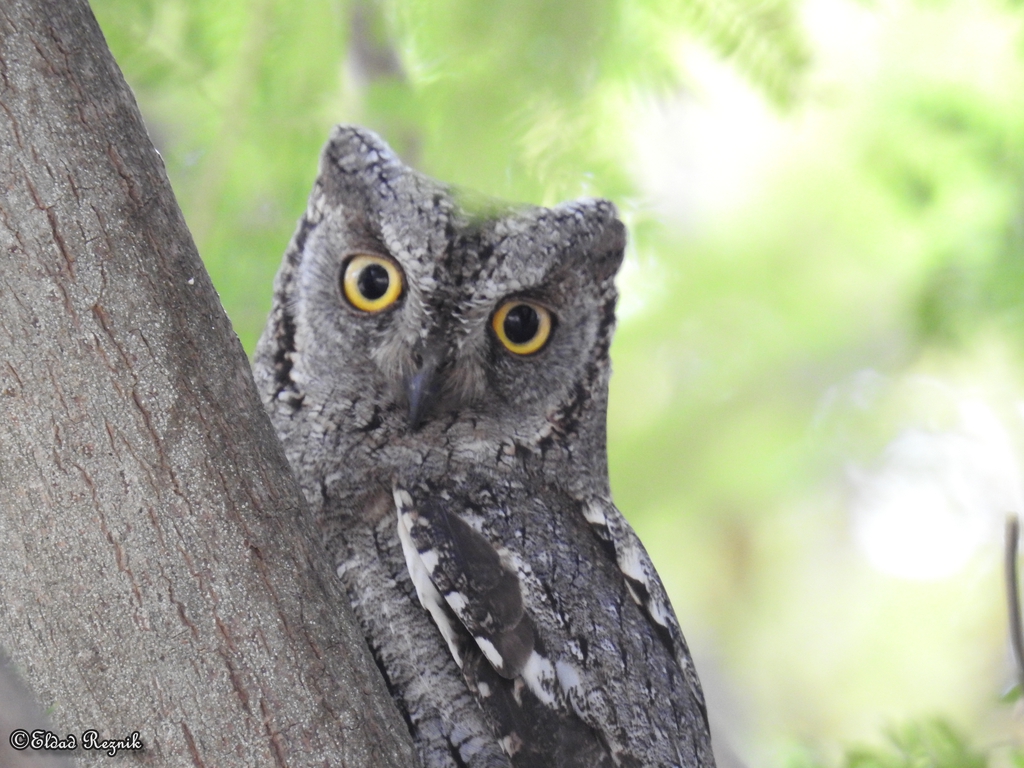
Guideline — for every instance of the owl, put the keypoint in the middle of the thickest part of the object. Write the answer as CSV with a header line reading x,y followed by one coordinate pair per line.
x,y
436,365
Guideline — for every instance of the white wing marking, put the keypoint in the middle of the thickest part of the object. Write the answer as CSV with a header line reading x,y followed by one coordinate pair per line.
x,y
490,652
428,594
539,676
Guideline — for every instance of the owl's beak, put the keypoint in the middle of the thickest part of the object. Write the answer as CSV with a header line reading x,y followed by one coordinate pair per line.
x,y
421,390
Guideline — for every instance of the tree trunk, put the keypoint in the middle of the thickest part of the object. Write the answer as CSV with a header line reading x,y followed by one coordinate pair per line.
x,y
159,571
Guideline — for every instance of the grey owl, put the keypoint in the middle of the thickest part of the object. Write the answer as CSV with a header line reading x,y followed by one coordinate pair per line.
x,y
437,368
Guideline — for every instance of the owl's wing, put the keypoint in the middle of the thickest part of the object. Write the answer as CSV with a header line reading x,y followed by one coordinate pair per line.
x,y
469,586
644,585
449,560
554,628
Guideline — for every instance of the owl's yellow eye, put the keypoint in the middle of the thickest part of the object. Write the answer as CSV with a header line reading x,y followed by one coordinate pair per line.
x,y
522,326
371,283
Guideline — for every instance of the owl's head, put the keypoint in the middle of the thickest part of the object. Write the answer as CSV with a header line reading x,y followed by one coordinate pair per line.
x,y
404,306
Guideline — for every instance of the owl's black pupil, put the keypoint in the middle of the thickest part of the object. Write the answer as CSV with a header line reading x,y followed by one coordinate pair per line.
x,y
521,323
373,281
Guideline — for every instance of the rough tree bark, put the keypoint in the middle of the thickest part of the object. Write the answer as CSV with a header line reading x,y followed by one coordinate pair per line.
x,y
158,570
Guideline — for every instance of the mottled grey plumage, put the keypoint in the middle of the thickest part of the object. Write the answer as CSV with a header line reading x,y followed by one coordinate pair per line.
x,y
514,614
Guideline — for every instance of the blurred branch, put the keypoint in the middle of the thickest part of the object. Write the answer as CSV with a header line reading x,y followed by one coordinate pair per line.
x,y
1012,594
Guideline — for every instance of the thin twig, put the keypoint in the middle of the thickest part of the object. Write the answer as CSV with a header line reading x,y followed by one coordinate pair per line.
x,y
1012,594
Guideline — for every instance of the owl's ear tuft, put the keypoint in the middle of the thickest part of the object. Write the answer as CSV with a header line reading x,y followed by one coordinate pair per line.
x,y
607,236
356,161
609,248
352,149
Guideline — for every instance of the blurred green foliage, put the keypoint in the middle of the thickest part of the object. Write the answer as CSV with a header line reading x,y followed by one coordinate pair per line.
x,y
869,162
923,744
946,151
